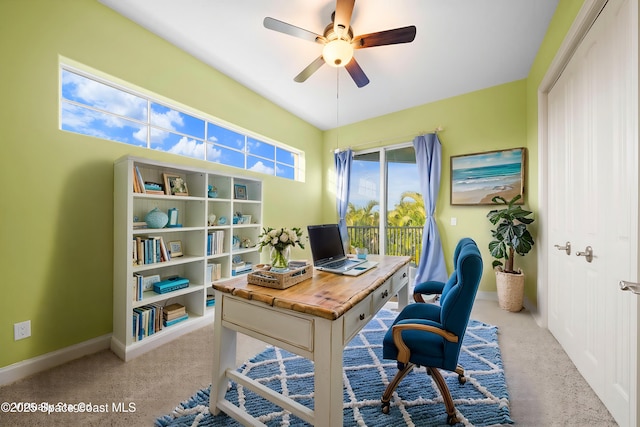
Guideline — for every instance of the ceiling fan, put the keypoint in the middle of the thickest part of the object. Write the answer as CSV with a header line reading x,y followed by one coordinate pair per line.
x,y
339,42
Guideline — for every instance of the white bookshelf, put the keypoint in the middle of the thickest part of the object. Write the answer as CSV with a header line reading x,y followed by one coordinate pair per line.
x,y
193,213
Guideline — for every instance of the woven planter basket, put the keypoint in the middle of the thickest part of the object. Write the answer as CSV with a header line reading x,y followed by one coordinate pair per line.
x,y
510,290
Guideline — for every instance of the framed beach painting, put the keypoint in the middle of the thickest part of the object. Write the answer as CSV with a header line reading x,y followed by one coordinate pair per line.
x,y
479,177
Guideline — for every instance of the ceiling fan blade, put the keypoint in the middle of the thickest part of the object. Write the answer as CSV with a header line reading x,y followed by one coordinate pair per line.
x,y
356,73
344,9
292,30
311,68
381,38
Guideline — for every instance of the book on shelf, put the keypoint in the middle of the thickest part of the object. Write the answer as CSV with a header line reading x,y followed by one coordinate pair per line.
x,y
153,188
211,300
147,320
176,320
174,310
214,272
150,250
169,317
175,307
170,284
136,185
215,242
137,176
241,268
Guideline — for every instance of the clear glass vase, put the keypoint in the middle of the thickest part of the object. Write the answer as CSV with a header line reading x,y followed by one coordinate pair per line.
x,y
280,258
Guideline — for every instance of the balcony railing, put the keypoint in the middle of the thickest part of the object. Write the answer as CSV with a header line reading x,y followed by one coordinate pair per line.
x,y
406,241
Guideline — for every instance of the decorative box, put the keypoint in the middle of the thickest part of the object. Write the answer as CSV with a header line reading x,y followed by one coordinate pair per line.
x,y
272,279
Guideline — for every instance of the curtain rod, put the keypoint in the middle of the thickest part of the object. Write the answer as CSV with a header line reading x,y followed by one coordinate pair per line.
x,y
436,130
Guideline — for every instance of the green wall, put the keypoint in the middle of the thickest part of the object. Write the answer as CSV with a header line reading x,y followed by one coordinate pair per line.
x,y
489,119
500,117
56,216
56,213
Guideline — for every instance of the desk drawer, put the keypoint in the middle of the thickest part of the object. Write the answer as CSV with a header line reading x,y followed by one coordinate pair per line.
x,y
399,279
382,295
356,318
269,322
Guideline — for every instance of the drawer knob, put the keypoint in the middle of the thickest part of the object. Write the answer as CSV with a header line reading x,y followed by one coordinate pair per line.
x,y
404,274
362,316
385,294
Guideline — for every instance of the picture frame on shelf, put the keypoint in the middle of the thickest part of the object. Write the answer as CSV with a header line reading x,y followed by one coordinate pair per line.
x,y
173,217
240,191
175,185
175,248
246,219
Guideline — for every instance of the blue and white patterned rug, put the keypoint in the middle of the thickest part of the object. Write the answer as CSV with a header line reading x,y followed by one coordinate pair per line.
x,y
482,401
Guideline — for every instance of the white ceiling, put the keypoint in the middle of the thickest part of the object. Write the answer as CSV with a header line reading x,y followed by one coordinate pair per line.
x,y
460,46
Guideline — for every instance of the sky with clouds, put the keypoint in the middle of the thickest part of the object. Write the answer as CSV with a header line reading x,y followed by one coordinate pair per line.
x,y
365,182
166,129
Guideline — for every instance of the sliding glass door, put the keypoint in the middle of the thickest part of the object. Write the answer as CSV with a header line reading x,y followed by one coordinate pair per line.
x,y
386,210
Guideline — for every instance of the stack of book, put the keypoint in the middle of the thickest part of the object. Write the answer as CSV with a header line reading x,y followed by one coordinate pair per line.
x,y
211,300
173,314
238,268
153,188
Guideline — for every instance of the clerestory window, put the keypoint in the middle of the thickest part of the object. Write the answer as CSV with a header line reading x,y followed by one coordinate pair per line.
x,y
93,106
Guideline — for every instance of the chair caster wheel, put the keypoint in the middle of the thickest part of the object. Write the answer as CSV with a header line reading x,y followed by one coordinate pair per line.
x,y
385,407
452,420
462,379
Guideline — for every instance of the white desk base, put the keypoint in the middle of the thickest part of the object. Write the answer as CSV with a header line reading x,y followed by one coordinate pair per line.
x,y
313,337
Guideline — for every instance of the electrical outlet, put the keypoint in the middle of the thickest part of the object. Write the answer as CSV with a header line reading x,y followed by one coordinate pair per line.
x,y
21,330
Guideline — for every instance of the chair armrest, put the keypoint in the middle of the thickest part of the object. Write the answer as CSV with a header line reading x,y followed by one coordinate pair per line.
x,y
427,288
403,350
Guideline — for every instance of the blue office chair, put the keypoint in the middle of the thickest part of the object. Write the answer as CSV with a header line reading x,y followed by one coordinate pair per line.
x,y
431,335
434,287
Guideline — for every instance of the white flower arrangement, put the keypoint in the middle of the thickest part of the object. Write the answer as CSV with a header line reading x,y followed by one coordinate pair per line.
x,y
280,238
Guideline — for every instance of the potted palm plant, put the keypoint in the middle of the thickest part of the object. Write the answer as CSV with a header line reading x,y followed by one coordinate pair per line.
x,y
510,237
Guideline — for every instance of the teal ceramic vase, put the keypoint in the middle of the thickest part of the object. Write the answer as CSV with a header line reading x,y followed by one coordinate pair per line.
x,y
156,218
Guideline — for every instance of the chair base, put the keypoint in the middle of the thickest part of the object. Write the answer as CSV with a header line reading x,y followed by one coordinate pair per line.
x,y
440,382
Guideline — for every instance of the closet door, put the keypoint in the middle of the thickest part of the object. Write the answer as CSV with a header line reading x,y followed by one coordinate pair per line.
x,y
593,204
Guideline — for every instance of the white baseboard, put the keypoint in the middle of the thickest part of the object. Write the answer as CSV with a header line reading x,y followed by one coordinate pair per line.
x,y
25,368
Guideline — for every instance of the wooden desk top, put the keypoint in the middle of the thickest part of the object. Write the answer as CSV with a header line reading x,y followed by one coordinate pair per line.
x,y
325,294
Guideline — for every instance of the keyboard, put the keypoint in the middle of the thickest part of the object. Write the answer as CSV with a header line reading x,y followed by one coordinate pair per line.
x,y
336,264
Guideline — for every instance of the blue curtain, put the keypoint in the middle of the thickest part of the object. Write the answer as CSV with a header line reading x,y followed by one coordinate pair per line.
x,y
343,160
429,161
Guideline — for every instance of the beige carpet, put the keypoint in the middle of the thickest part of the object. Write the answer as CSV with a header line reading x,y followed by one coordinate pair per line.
x,y
545,388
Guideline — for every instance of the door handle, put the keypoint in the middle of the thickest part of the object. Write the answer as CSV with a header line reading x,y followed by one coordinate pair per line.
x,y
566,248
587,254
630,286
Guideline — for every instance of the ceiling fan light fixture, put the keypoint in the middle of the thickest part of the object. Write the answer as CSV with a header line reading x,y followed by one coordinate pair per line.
x,y
337,53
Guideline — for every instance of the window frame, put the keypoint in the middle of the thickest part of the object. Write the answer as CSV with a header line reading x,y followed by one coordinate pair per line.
x,y
384,180
150,98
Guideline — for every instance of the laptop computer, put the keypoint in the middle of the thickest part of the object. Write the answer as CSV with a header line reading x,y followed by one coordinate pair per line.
x,y
328,253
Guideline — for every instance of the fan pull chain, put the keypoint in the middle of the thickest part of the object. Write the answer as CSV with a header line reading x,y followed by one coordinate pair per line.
x,y
337,108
